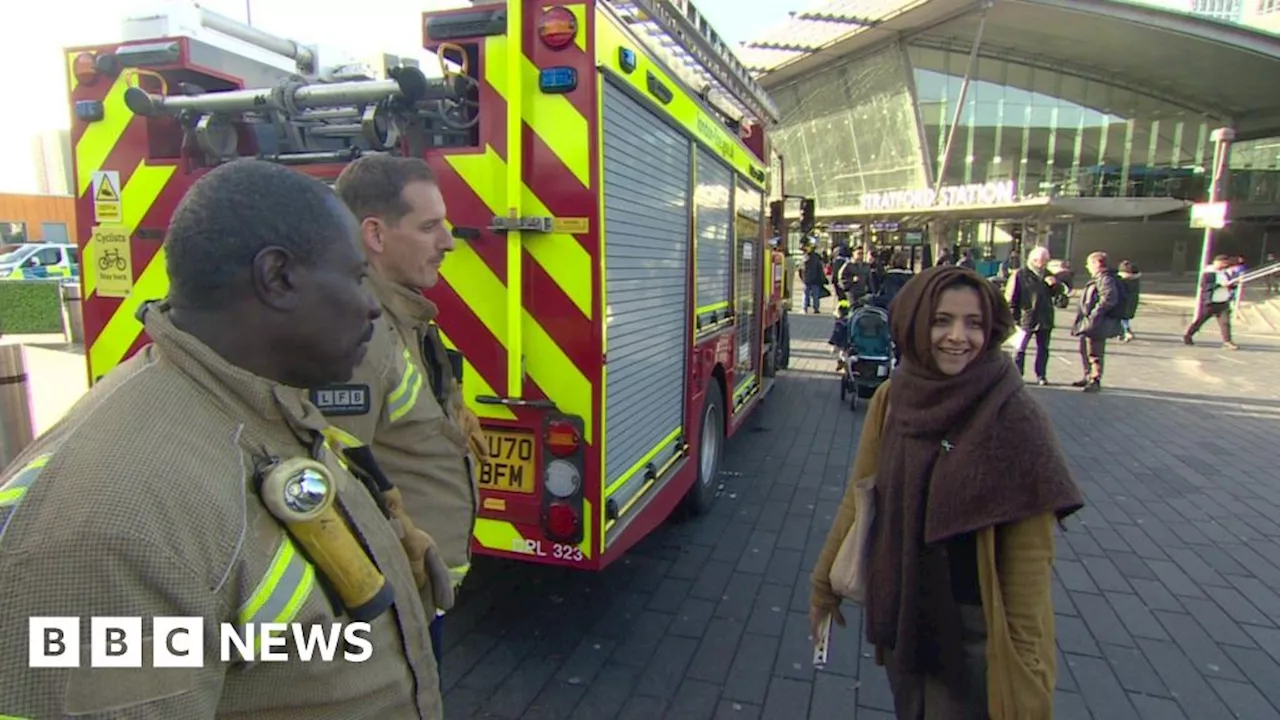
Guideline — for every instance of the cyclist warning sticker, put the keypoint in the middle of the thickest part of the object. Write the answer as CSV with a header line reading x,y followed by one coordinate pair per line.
x,y
106,196
112,260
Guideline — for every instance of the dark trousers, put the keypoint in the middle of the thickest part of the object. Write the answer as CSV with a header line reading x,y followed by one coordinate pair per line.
x,y
1092,351
437,639
813,297
1220,311
1042,351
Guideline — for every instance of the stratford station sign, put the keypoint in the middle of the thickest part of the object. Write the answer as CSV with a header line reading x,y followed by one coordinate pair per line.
x,y
948,196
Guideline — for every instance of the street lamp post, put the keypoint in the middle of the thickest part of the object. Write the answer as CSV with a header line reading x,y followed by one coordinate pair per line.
x,y
1222,138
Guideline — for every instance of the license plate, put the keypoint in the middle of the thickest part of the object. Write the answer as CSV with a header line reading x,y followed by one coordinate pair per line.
x,y
510,466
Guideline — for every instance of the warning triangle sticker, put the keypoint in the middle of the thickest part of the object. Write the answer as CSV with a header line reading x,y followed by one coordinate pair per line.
x,y
107,193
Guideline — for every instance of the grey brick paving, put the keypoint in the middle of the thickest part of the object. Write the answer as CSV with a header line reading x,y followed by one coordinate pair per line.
x,y
1166,588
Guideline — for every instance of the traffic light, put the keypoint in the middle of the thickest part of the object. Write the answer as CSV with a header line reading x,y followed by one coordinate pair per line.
x,y
807,219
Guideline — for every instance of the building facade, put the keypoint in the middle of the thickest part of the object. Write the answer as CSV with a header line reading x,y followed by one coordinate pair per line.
x,y
1029,152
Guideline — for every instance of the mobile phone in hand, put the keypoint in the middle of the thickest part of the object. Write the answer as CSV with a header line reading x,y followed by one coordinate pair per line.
x,y
822,643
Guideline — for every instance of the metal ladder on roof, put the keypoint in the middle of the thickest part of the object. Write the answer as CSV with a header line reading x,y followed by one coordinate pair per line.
x,y
690,39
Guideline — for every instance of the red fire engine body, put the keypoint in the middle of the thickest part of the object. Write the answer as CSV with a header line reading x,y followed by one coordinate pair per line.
x,y
613,289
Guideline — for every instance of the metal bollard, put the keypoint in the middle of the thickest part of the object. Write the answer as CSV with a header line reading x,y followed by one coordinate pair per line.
x,y
16,428
71,299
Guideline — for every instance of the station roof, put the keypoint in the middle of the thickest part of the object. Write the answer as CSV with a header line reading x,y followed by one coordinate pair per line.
x,y
1219,69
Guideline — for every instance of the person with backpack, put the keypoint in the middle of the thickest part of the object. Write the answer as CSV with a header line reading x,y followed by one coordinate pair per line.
x,y
1131,279
1102,303
854,277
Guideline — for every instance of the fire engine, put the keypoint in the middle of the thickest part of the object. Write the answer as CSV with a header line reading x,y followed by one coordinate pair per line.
x,y
617,288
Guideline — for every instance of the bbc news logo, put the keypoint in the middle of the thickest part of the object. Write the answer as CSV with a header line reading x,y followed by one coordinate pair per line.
x,y
179,642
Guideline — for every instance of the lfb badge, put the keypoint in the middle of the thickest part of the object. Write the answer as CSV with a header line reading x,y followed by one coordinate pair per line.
x,y
341,399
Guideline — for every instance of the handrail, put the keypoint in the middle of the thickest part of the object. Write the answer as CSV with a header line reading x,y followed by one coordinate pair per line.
x,y
1248,277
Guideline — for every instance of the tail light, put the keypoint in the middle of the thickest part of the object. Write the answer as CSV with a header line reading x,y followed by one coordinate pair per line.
x,y
562,438
563,521
562,479
558,28
85,68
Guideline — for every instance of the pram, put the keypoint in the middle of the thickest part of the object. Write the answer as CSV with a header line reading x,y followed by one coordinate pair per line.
x,y
867,357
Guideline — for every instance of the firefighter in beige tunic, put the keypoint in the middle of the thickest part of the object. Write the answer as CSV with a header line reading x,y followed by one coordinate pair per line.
x,y
405,400
151,498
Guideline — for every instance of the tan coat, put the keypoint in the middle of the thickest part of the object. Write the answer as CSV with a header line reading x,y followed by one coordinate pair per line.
x,y
416,440
141,502
1017,603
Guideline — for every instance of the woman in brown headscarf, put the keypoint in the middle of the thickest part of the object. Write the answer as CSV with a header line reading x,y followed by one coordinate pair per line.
x,y
969,479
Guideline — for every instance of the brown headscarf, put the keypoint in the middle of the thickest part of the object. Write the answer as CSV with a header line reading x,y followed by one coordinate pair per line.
x,y
958,454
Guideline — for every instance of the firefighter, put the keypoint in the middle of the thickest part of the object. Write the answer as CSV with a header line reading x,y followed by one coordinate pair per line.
x,y
151,497
426,440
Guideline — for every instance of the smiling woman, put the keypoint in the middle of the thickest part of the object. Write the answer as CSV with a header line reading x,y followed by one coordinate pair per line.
x,y
958,333
965,465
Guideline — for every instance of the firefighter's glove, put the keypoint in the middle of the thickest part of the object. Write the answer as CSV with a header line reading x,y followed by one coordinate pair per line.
x,y
424,558
437,574
470,425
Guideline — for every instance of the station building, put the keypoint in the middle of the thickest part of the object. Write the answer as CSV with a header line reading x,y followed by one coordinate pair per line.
x,y
1078,124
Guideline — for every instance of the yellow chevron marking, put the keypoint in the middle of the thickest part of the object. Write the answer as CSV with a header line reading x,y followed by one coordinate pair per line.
x,y
556,374
481,290
123,328
559,254
473,384
100,137
72,82
580,15
552,117
139,194
562,256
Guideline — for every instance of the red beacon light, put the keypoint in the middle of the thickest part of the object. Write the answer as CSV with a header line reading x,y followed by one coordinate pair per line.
x,y
558,28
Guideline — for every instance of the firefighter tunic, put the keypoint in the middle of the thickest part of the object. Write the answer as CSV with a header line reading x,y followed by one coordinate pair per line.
x,y
141,503
414,419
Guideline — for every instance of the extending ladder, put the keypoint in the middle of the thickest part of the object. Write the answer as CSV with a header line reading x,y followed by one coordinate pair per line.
x,y
689,41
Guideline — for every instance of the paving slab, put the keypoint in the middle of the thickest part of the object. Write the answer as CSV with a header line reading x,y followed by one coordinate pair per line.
x,y
1166,588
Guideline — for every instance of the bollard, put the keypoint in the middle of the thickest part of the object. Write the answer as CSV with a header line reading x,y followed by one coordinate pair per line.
x,y
16,428
71,295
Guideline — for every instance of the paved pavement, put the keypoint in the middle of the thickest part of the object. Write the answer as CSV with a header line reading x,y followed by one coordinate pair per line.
x,y
1167,592
1167,585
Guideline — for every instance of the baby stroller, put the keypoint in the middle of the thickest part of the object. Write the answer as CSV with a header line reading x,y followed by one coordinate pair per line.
x,y
867,357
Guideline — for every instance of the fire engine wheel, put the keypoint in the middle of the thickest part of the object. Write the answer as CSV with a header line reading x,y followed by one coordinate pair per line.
x,y
710,448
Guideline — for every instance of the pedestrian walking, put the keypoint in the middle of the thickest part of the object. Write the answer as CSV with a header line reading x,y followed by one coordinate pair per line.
x,y
161,493
1097,319
814,276
1216,293
1030,292
969,480
1131,278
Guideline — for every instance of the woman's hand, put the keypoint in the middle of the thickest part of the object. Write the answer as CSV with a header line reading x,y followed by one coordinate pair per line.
x,y
818,613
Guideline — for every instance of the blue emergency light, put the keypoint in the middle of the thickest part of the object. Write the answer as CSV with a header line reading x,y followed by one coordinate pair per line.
x,y
557,80
89,110
627,59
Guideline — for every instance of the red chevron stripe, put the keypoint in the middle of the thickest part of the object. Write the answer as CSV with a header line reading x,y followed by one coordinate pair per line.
x,y
466,209
562,320
472,338
557,187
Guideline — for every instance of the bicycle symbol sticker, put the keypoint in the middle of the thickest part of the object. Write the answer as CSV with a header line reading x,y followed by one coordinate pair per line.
x,y
112,261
